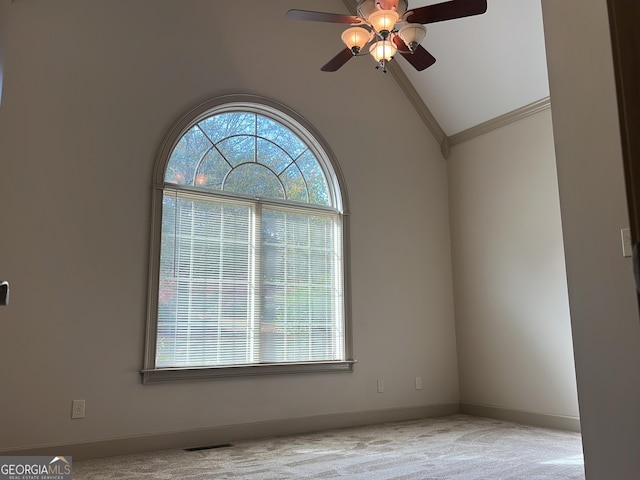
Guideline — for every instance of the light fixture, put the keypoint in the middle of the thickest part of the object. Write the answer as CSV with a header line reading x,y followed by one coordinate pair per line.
x,y
355,38
384,27
412,34
383,22
381,29
383,51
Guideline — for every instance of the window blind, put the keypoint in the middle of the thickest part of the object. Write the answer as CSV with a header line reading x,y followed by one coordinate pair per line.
x,y
245,283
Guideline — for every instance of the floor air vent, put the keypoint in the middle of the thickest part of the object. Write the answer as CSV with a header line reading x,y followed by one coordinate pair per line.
x,y
209,447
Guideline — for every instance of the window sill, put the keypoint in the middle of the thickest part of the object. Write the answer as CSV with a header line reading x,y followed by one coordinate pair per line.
x,y
199,373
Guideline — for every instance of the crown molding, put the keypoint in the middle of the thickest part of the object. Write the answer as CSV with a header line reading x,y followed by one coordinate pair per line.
x,y
500,121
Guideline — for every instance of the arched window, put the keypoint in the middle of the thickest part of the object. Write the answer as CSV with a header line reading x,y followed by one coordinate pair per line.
x,y
248,247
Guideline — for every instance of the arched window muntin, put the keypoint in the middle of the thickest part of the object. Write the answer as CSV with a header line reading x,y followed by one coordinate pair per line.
x,y
336,202
274,111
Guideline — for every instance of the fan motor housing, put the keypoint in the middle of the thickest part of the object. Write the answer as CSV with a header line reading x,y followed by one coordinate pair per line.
x,y
367,7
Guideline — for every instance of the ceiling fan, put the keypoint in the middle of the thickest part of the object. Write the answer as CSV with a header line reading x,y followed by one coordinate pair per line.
x,y
388,27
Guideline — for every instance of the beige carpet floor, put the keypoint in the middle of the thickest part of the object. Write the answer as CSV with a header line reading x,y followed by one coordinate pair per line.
x,y
456,447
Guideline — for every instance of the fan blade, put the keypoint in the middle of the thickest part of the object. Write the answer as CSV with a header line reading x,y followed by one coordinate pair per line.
x,y
447,11
323,17
420,58
338,61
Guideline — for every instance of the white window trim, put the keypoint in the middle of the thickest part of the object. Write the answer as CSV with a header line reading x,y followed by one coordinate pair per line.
x,y
258,104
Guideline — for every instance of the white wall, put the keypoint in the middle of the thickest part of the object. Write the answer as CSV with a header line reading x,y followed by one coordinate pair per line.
x,y
3,29
602,298
512,312
91,88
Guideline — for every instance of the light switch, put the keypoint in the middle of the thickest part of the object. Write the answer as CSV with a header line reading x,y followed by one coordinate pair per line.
x,y
627,248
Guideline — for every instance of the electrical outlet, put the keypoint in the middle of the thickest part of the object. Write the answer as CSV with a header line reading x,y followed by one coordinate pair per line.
x,y
77,409
418,383
380,386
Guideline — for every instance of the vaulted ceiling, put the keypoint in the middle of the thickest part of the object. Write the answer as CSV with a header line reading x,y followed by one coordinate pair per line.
x,y
487,67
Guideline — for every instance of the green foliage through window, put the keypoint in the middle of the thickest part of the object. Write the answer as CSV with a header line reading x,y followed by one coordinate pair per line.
x,y
248,154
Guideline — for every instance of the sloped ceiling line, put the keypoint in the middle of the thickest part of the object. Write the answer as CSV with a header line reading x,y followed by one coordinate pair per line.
x,y
422,109
432,124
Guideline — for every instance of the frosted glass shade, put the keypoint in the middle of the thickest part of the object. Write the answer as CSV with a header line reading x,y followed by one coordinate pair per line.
x,y
412,34
382,50
383,20
355,38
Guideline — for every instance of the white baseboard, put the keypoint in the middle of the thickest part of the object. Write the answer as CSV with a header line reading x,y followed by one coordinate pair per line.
x,y
559,422
231,433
